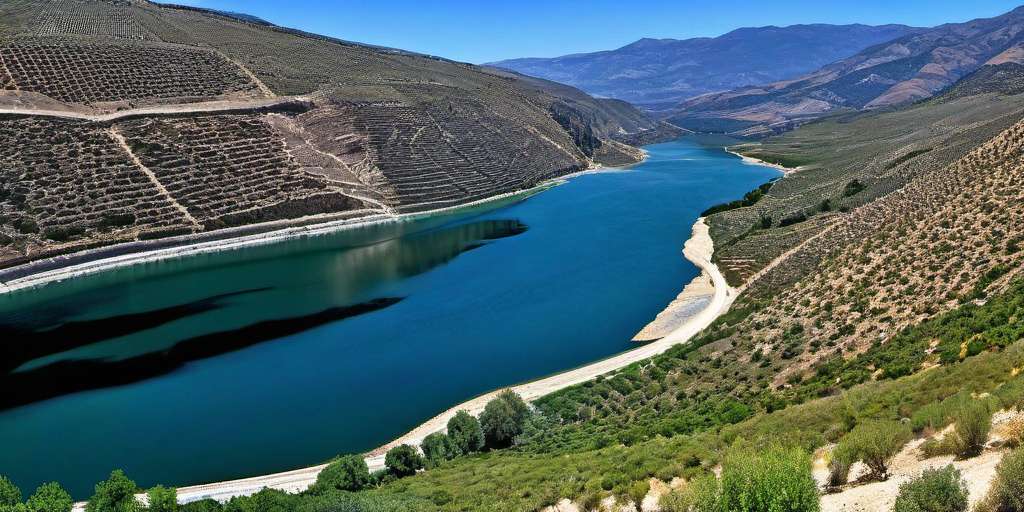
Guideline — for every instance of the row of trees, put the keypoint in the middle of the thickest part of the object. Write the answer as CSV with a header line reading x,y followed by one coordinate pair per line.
x,y
502,420
115,494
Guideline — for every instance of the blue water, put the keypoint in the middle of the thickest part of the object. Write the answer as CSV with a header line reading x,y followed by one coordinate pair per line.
x,y
482,306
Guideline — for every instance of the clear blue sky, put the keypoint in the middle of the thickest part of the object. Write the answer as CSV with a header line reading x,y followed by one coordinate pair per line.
x,y
487,30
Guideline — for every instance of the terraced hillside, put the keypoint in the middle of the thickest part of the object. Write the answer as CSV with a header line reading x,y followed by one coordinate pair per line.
x,y
849,161
911,68
130,121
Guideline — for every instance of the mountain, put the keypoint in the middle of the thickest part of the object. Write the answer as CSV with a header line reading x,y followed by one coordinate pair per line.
x,y
133,124
910,68
654,73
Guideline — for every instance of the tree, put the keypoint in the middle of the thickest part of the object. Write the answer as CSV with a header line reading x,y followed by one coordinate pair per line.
x,y
875,443
50,497
163,499
503,419
347,473
436,449
115,494
936,490
464,434
10,495
403,460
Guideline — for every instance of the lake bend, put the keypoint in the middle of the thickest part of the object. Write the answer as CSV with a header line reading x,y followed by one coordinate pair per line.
x,y
267,358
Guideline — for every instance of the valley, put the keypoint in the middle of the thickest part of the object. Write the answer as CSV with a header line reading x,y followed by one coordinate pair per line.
x,y
281,271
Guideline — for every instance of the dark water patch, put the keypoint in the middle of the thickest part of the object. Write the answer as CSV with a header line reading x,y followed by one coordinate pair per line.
x,y
70,376
23,343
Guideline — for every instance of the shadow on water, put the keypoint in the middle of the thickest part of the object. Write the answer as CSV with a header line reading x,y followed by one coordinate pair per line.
x,y
27,342
69,354
69,376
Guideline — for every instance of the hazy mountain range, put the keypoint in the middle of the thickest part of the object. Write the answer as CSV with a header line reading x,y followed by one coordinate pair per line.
x,y
655,73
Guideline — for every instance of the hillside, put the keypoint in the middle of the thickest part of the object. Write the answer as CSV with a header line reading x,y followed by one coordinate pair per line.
x,y
911,68
128,121
658,73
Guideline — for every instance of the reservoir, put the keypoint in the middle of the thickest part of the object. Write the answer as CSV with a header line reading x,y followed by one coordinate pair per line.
x,y
274,357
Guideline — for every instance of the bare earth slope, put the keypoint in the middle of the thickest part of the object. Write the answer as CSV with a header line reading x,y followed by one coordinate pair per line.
x,y
907,69
375,131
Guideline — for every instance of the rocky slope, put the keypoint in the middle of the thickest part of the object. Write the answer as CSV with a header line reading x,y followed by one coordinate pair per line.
x,y
907,69
658,73
126,121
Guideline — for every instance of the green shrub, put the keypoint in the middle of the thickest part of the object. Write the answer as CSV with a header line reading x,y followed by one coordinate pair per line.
x,y
50,497
839,463
1007,492
637,491
876,443
464,434
163,499
115,494
936,490
10,495
346,473
973,421
435,449
403,460
776,479
503,419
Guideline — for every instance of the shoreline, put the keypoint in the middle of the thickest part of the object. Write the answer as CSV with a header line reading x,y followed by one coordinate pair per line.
x,y
698,249
786,171
228,243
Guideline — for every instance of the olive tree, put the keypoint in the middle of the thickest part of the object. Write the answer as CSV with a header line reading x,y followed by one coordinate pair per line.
x,y
503,419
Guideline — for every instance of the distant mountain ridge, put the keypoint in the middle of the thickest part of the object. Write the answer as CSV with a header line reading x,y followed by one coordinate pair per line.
x,y
655,73
910,68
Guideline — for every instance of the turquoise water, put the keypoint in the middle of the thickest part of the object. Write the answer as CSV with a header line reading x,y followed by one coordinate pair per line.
x,y
270,358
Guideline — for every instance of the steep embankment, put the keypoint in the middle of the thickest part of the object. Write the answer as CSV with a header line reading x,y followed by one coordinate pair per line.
x,y
910,68
210,140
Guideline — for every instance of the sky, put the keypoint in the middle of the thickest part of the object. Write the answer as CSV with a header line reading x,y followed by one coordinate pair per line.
x,y
480,31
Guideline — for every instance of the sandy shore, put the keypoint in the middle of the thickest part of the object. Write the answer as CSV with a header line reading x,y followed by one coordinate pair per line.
x,y
757,161
698,250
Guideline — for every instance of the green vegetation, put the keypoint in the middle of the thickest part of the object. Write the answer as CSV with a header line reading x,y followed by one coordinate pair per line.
x,y
1007,492
775,479
115,494
749,199
162,499
403,460
464,434
10,495
503,419
49,497
436,449
875,443
936,490
346,473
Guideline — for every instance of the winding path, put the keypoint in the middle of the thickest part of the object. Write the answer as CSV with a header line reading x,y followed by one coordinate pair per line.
x,y
698,249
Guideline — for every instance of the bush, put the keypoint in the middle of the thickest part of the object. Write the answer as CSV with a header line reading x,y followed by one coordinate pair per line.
x,y
346,473
435,449
464,434
875,443
115,494
10,495
163,499
973,420
700,495
936,490
403,460
503,419
1007,492
50,497
839,463
776,479
637,491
